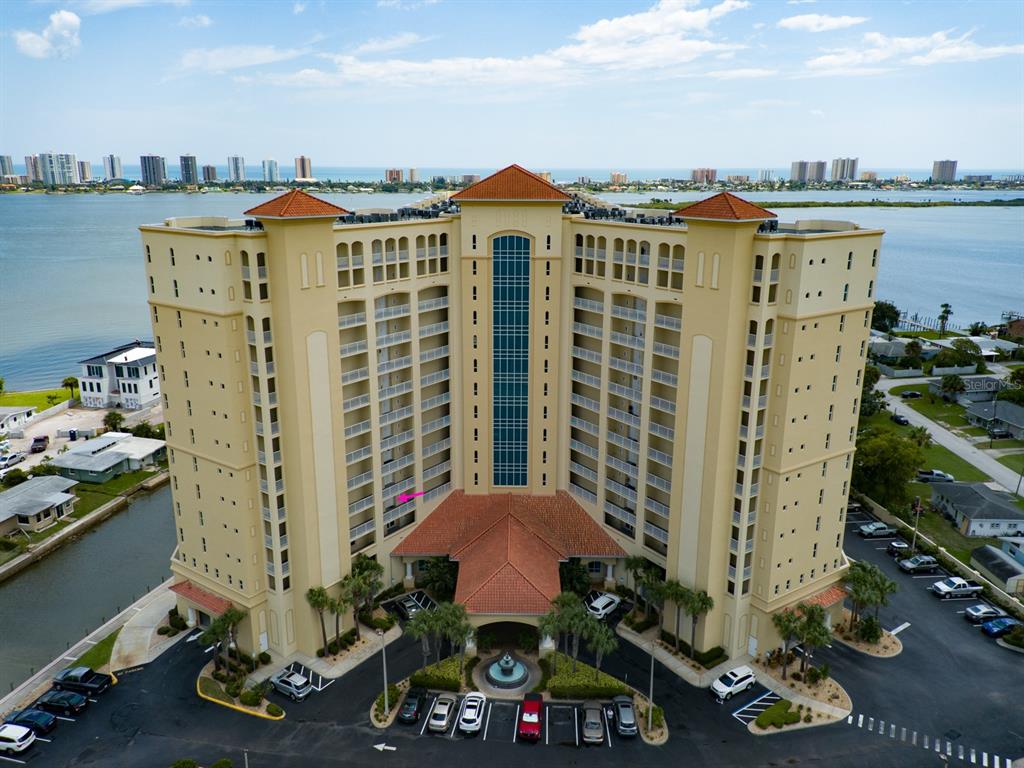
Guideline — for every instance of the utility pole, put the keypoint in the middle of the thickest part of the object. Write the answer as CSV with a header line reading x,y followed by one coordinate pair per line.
x,y
917,520
384,662
650,693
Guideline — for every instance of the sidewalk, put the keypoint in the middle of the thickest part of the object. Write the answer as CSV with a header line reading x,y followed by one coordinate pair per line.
x,y
786,692
133,644
672,662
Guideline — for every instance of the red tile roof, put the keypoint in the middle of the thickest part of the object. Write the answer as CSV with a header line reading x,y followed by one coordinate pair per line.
x,y
512,183
724,206
296,204
215,604
508,547
827,597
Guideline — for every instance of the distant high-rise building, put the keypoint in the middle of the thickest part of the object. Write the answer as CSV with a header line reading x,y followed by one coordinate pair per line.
x,y
977,179
766,175
84,171
6,165
414,175
32,169
868,176
394,175
816,171
944,170
236,168
189,169
583,180
844,169
470,178
798,171
58,168
209,173
704,175
806,172
270,170
112,167
618,177
154,170
738,179
303,167
546,175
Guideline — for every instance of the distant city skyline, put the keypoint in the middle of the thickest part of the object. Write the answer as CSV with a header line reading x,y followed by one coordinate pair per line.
x,y
695,76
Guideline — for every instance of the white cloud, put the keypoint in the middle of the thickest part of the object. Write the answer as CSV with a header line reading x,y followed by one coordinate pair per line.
x,y
195,22
800,2
386,44
235,57
58,38
405,5
298,8
816,22
964,50
742,73
816,113
107,6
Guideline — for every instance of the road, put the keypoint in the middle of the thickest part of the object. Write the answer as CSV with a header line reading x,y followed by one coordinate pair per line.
x,y
1002,474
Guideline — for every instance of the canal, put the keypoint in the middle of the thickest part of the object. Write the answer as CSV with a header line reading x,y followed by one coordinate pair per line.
x,y
69,593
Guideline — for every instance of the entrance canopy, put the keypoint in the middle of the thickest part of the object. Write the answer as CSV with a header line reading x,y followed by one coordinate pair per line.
x,y
200,597
508,547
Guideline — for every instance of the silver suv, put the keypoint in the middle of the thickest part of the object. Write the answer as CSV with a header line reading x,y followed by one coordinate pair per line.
x,y
292,684
625,716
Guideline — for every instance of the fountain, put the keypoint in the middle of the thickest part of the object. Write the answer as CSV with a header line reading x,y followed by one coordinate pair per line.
x,y
507,672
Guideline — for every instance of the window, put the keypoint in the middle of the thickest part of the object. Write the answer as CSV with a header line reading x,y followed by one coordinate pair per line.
x,y
549,247
594,567
846,291
511,322
849,260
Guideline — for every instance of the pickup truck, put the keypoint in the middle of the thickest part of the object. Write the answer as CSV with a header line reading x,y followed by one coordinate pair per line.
x,y
40,444
81,680
876,530
934,476
954,586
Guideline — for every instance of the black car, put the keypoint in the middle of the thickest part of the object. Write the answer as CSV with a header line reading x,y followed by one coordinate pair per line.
x,y
910,394
65,703
412,707
81,680
900,419
35,719
999,434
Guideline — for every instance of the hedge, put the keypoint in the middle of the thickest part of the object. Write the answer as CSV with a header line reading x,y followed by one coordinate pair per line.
x,y
251,697
393,696
443,676
390,592
212,689
545,675
642,624
708,659
470,666
374,622
582,684
778,715
273,710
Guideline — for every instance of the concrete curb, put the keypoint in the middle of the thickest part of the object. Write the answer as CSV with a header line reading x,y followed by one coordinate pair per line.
x,y
673,663
861,651
403,687
243,710
786,692
1007,646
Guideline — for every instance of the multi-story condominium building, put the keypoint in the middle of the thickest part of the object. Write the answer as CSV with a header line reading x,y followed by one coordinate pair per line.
x,y
33,169
414,175
112,167
125,377
58,169
844,169
868,176
270,171
154,170
84,171
189,167
209,173
6,165
236,168
807,171
704,175
394,175
766,174
556,381
303,167
944,171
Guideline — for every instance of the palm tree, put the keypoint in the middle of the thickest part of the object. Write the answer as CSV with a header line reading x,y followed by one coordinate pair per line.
x,y
635,565
920,435
913,349
601,641
550,625
338,606
679,595
858,581
564,604
319,601
70,383
576,620
216,634
698,604
232,617
354,588
786,624
812,630
881,586
944,316
371,572
420,627
654,592
113,421
440,577
457,629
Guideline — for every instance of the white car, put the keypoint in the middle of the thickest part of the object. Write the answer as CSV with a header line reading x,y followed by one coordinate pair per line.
x,y
604,605
8,461
15,738
472,717
732,682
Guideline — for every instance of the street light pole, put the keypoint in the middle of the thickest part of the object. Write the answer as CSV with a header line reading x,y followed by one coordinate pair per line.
x,y
650,694
917,520
384,662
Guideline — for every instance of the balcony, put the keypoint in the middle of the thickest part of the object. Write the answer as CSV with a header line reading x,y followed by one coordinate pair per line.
x,y
762,401
390,339
657,481
669,322
582,492
438,469
622,490
434,329
586,329
427,305
353,348
401,486
581,447
585,402
361,505
359,374
394,441
623,466
435,377
396,415
394,390
268,541
386,313
745,431
623,442
358,429
400,511
261,457
258,399
588,304
436,424
666,350
660,456
586,378
355,402
359,454
587,354
275,428
347,321
268,514
663,405
433,354
583,471
389,366
656,507
655,532
361,530
662,431
359,480
619,513
433,493
402,462
669,379
629,340
434,402
629,313
587,426
627,392
278,486
618,415
437,447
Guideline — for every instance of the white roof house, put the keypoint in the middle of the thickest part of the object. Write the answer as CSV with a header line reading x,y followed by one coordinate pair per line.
x,y
125,377
100,455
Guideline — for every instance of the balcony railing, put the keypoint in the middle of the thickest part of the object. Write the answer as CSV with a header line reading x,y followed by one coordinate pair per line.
x,y
268,514
355,402
359,454
436,424
400,463
662,377
619,513
656,532
663,405
745,431
360,505
669,322
397,415
428,304
666,350
588,304
586,378
353,348
390,339
583,470
622,490
619,415
361,530
629,313
434,402
585,402
629,340
762,401
660,456
347,321
623,442
396,310
437,469
587,354
359,374
359,480
622,466
437,447
586,329
581,447
393,441
388,366
627,392
394,390
582,492
434,354
587,426
768,339
257,398
433,378
662,431
433,329
657,481
656,507
433,493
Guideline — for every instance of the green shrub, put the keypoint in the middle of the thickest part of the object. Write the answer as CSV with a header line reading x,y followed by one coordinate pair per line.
x,y
1015,636
796,676
320,653
222,763
273,710
470,666
390,592
264,659
545,675
623,591
376,622
640,623
778,715
233,689
349,638
251,697
186,763
657,717
163,630
178,623
869,630
708,659
393,696
813,676
443,676
219,676
212,689
583,684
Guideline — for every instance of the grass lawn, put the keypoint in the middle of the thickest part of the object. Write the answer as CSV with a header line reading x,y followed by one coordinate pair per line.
x,y
213,689
117,485
34,397
1009,443
947,414
1014,462
935,456
99,654
939,529
972,431
926,334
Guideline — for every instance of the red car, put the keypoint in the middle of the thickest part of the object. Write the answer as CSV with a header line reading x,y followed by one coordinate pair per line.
x,y
529,717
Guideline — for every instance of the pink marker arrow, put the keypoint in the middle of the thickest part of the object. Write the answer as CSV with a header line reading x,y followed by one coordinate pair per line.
x,y
404,497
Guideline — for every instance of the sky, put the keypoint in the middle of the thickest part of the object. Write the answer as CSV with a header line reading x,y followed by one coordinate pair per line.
x,y
455,83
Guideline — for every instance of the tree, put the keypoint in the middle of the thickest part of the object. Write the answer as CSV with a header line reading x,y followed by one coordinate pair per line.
x,y
679,595
978,328
338,605
812,630
786,624
883,465
885,317
952,385
113,421
550,625
654,591
577,622
440,577
13,477
564,604
574,577
458,630
144,429
871,401
858,580
1015,396
601,641
913,350
920,436
371,573
944,315
320,602
871,376
70,383
635,565
420,627
1016,376
232,617
700,602
355,587
881,587
966,352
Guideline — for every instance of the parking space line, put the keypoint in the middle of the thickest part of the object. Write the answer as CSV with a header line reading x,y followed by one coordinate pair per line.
x,y
40,738
515,726
487,722
12,760
860,721
757,706
900,628
608,732
984,759
576,724
66,719
426,709
93,701
69,658
547,727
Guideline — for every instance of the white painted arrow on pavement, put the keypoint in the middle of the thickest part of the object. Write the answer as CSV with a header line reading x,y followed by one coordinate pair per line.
x,y
381,747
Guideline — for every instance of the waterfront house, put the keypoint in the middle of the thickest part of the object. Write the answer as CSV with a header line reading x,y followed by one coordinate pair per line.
x,y
1003,565
36,504
125,377
14,417
997,414
109,455
977,510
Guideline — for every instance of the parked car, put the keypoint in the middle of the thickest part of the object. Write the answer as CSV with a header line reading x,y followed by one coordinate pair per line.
x,y
8,461
40,443
983,612
412,707
919,564
999,434
625,716
604,605
954,586
897,548
934,476
529,717
442,713
407,606
5,446
900,419
876,530
15,738
291,684
65,703
472,717
593,727
999,627
734,681
41,723
910,394
81,680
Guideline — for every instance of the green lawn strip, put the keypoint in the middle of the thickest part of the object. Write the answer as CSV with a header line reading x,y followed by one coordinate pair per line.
x,y
1014,462
212,688
936,456
34,397
1009,443
973,431
118,485
585,683
99,654
934,408
939,529
927,334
